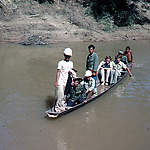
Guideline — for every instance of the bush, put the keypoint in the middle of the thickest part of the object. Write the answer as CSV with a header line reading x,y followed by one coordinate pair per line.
x,y
43,1
123,13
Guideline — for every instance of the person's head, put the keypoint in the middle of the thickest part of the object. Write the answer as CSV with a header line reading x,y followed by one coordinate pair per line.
x,y
108,59
120,52
88,75
127,48
76,81
91,48
118,59
67,53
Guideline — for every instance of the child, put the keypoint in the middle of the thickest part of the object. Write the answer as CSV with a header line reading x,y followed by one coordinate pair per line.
x,y
77,94
89,84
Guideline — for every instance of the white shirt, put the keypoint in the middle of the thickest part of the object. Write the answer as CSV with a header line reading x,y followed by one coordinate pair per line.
x,y
103,63
65,67
120,66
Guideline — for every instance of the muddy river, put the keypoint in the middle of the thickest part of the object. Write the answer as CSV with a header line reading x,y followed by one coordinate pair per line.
x,y
118,120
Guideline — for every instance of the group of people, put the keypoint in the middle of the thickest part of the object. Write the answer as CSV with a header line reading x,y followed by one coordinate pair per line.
x,y
72,90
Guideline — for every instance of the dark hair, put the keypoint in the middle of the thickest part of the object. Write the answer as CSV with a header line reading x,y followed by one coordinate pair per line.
x,y
118,56
108,57
91,46
128,47
78,79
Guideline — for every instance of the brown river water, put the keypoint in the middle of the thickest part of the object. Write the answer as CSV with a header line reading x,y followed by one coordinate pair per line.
x,y
118,120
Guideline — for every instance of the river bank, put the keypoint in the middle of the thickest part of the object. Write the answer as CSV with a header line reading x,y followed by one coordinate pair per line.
x,y
41,24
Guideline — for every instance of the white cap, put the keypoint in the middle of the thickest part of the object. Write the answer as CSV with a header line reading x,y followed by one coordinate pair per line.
x,y
68,51
88,73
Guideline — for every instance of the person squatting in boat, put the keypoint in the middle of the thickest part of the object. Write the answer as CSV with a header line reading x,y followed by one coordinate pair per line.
x,y
77,93
89,84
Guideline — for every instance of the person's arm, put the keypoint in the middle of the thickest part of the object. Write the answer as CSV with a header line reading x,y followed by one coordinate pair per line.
x,y
111,66
87,63
126,60
96,62
57,77
131,57
129,71
100,66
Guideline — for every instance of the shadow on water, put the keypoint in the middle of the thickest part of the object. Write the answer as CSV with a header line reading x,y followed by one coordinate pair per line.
x,y
50,101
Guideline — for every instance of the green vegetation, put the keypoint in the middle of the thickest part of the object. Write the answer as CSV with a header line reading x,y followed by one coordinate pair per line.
x,y
112,12
23,1
15,1
122,12
31,2
43,1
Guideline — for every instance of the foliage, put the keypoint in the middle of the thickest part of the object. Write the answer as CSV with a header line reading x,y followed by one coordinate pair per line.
x,y
15,1
31,2
122,12
47,1
106,23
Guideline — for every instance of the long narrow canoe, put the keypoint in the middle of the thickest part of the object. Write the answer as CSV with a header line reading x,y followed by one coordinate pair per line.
x,y
100,90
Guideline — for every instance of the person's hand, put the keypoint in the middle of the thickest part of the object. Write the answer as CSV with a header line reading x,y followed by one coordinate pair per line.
x,y
87,91
130,74
70,72
93,74
85,101
56,84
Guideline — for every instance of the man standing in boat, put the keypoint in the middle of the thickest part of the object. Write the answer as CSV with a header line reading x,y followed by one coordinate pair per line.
x,y
64,67
92,64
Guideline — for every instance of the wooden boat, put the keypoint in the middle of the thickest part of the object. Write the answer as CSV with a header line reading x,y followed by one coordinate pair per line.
x,y
100,90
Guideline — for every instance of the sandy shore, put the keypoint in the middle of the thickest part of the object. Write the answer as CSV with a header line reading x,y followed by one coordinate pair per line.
x,y
44,24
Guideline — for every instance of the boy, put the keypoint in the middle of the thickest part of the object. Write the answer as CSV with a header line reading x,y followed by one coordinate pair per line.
x,y
89,84
77,94
129,55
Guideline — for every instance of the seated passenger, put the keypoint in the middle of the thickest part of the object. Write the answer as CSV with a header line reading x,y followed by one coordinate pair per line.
x,y
105,68
77,94
89,84
118,66
123,58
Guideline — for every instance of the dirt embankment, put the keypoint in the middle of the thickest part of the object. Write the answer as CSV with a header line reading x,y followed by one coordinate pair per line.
x,y
28,22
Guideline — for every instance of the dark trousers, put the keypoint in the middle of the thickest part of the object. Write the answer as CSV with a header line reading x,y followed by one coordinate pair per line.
x,y
73,103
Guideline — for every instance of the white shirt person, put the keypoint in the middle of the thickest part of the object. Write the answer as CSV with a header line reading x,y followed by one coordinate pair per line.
x,y
105,68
